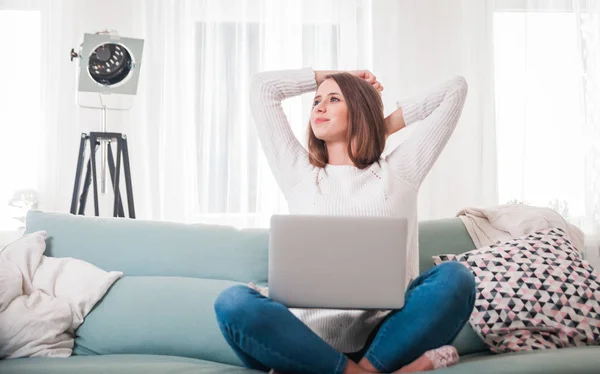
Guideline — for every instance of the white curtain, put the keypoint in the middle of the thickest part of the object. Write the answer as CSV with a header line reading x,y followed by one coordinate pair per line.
x,y
421,43
529,131
194,153
44,116
547,56
19,109
213,148
199,157
588,13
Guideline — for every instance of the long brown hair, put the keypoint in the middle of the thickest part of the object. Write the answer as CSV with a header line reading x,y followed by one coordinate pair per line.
x,y
366,127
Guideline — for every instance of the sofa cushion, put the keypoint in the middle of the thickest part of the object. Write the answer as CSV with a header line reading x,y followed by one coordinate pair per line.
x,y
157,315
118,364
448,236
138,247
581,360
468,342
442,236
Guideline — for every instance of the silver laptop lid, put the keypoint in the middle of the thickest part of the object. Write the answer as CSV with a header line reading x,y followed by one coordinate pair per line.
x,y
337,261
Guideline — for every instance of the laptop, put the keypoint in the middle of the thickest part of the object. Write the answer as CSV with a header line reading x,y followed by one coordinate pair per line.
x,y
337,262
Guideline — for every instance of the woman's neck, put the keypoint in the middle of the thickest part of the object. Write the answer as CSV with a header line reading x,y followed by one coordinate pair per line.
x,y
338,154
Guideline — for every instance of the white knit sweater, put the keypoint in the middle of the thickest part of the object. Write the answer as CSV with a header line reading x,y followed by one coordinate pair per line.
x,y
386,189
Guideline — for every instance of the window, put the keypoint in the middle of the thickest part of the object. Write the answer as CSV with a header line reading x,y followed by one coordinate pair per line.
x,y
235,184
19,109
539,110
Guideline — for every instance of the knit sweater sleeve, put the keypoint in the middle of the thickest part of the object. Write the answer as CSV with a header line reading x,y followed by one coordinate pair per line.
x,y
434,115
287,158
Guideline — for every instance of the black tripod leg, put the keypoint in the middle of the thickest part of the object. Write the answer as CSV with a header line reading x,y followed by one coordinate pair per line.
x,y
78,173
111,168
116,180
128,185
93,140
87,181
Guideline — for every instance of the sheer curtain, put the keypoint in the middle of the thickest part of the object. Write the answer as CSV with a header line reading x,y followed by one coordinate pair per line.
x,y
529,130
193,149
199,157
19,109
194,153
63,23
588,13
547,56
420,44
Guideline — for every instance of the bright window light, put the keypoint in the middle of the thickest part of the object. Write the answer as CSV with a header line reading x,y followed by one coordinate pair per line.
x,y
19,106
539,111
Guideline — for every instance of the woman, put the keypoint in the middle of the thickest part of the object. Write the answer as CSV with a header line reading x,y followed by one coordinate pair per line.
x,y
343,173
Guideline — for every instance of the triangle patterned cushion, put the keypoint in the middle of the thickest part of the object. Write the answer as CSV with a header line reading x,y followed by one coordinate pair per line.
x,y
533,292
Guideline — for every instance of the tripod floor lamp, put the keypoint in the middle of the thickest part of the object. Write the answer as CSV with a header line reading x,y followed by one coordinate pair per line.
x,y
108,75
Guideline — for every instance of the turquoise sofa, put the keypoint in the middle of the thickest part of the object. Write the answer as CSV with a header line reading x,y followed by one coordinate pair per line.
x,y
159,317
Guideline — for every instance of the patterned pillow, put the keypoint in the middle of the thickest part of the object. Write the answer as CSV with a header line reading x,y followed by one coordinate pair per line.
x,y
533,292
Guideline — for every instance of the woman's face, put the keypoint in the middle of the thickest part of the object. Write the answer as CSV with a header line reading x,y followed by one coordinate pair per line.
x,y
329,117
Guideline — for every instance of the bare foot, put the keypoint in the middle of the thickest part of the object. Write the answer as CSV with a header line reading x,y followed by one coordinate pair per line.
x,y
433,359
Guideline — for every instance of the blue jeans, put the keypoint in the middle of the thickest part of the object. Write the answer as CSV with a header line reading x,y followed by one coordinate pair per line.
x,y
265,334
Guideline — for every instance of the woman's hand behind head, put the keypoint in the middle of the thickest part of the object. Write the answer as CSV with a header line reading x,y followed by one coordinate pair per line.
x,y
369,77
